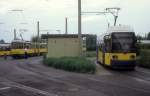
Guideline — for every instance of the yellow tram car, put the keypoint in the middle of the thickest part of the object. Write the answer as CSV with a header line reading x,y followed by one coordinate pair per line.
x,y
19,47
118,48
5,49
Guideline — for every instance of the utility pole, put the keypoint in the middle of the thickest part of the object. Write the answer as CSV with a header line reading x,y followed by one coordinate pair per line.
x,y
15,37
66,25
80,27
38,39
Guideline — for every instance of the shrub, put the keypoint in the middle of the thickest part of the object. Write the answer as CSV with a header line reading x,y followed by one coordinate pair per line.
x,y
144,60
74,64
91,42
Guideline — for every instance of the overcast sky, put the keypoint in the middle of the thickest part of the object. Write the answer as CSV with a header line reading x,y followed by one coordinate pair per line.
x,y
52,13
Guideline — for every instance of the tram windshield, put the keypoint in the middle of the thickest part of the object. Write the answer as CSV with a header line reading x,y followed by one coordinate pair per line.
x,y
123,42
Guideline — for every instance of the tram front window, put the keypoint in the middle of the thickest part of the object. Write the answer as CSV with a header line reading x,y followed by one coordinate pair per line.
x,y
123,42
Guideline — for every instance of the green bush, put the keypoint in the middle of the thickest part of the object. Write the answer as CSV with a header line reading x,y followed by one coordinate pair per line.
x,y
91,42
144,60
74,64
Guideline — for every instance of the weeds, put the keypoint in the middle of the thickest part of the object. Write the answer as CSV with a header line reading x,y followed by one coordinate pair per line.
x,y
73,64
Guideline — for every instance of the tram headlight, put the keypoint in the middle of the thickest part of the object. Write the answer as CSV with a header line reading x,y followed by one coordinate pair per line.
x,y
115,57
132,57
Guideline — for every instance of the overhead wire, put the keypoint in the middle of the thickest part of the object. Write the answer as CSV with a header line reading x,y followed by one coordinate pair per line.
x,y
22,22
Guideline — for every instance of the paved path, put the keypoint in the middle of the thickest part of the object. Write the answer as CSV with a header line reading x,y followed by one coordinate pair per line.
x,y
31,78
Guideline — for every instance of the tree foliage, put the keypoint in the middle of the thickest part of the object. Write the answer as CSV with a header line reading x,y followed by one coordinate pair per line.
x,y
91,42
35,39
148,36
2,41
139,37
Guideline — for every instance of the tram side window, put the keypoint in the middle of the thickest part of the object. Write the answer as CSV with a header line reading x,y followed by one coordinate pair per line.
x,y
17,46
1,49
100,47
33,45
7,49
43,46
13,45
20,46
107,46
27,47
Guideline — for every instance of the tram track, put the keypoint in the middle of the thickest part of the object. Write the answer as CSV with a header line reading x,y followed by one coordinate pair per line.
x,y
139,73
31,68
10,86
44,81
30,83
33,91
136,74
58,79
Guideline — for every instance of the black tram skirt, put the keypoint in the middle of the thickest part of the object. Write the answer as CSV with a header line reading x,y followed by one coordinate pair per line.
x,y
123,64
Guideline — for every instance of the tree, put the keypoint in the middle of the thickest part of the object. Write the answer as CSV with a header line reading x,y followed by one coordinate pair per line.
x,y
148,36
139,37
2,41
91,42
35,39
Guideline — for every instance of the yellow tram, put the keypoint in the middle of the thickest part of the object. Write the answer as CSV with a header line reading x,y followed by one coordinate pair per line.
x,y
19,47
118,48
5,49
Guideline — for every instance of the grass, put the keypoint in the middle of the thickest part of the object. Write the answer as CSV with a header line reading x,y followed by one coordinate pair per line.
x,y
73,64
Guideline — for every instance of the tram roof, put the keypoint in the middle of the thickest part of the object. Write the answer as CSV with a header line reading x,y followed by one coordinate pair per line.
x,y
45,36
20,41
5,45
120,28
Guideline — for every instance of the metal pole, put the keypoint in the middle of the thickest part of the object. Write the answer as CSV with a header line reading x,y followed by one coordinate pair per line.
x,y
79,27
15,34
66,25
115,21
38,41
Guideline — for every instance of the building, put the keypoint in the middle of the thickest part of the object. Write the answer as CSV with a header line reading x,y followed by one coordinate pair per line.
x,y
61,45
